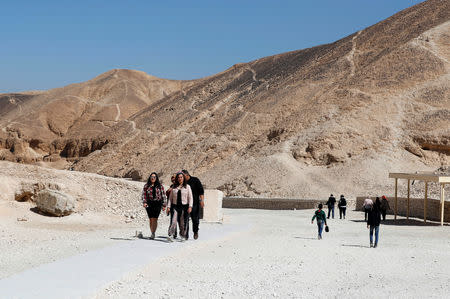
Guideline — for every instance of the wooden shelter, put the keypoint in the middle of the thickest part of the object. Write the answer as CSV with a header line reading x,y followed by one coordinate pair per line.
x,y
427,178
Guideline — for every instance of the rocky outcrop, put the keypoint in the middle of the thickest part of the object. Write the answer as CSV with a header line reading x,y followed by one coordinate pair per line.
x,y
55,203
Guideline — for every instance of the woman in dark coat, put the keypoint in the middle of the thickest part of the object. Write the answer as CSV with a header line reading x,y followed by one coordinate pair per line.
x,y
373,222
384,207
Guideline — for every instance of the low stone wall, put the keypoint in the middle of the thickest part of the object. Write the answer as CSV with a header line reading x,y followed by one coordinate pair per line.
x,y
416,207
270,203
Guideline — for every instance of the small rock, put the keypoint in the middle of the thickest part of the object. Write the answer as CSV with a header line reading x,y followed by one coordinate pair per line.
x,y
22,219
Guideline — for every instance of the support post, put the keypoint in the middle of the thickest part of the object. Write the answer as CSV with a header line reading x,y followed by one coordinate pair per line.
x,y
425,203
407,208
395,206
442,203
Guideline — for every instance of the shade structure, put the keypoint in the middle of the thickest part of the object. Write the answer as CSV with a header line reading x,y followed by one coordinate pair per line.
x,y
442,180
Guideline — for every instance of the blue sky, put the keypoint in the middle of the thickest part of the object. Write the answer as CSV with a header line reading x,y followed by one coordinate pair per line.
x,y
47,44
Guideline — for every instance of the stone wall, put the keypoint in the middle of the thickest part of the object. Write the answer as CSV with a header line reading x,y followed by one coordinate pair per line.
x,y
270,203
416,207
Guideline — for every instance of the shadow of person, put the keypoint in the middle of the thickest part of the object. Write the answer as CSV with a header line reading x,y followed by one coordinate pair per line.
x,y
305,238
355,245
123,239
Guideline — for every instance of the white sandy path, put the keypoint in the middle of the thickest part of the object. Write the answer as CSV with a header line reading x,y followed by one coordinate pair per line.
x,y
281,257
81,275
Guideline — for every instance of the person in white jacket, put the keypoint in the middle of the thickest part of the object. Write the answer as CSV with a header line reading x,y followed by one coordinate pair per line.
x,y
180,201
368,203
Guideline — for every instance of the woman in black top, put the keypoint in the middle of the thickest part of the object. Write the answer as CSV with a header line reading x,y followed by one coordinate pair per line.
x,y
153,199
373,222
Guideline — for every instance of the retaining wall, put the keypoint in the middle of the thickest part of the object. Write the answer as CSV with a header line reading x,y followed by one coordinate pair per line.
x,y
270,203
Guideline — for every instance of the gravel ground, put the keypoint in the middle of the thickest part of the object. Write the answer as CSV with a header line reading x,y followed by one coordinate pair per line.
x,y
276,255
281,257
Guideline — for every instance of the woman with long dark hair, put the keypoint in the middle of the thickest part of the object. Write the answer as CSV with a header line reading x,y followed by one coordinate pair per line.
x,y
173,185
373,222
153,199
180,202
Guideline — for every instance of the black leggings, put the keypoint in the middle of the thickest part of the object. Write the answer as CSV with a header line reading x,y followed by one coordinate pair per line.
x,y
342,212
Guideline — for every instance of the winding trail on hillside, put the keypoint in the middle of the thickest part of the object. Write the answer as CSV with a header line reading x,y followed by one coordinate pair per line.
x,y
351,55
118,113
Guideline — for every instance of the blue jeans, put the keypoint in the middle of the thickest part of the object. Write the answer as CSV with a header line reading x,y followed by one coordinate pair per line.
x,y
320,227
330,209
377,229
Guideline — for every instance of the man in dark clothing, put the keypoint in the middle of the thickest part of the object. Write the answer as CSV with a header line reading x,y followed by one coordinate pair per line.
x,y
198,196
342,206
330,204
373,222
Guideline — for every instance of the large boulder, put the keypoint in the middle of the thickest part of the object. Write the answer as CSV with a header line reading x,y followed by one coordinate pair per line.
x,y
55,203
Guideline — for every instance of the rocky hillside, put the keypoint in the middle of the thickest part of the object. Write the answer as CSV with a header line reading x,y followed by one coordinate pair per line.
x,y
333,118
71,121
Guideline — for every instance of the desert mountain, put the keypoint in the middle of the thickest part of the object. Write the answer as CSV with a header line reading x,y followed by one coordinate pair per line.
x,y
71,121
333,118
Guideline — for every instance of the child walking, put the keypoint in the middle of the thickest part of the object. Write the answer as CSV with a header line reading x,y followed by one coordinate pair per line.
x,y
321,220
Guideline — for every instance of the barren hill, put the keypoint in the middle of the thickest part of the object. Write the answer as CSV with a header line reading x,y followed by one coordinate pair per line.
x,y
333,118
71,121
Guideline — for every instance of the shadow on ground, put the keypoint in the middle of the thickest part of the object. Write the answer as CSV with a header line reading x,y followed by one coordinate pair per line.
x,y
124,239
355,245
406,222
157,239
37,211
305,238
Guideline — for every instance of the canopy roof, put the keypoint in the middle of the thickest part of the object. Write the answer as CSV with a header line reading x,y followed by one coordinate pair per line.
x,y
424,176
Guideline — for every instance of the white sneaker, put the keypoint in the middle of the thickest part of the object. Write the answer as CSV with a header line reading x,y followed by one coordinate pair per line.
x,y
169,238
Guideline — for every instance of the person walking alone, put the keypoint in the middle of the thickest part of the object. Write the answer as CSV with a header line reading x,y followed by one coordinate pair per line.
x,y
198,195
384,207
373,222
321,219
342,206
330,204
180,201
153,199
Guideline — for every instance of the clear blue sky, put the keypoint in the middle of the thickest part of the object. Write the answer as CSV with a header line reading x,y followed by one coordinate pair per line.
x,y
47,44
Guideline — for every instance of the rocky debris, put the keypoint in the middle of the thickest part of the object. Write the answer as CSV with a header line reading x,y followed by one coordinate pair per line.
x,y
443,170
25,193
134,174
22,219
92,192
55,203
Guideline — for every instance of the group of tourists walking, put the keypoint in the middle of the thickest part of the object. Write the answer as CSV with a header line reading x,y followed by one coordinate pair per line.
x,y
183,200
373,212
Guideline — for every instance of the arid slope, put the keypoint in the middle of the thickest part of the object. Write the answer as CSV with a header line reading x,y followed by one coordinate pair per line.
x,y
333,118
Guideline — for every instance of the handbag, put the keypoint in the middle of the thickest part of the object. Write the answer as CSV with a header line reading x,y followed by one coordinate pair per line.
x,y
326,228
